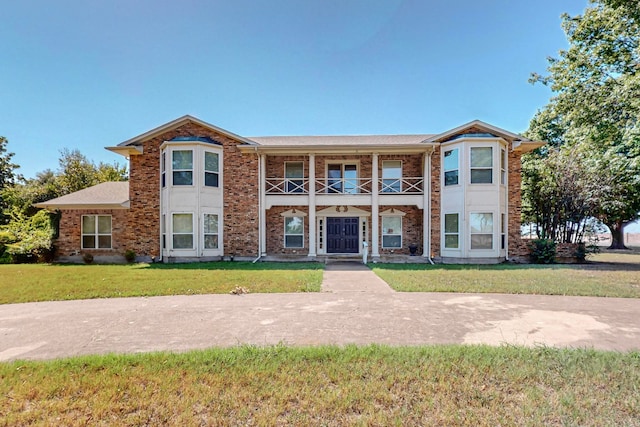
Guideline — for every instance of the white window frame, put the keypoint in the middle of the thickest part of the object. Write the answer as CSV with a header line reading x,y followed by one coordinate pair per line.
x,y
174,170
396,186
96,234
293,185
205,233
163,169
503,166
457,168
212,172
285,234
472,168
487,233
450,233
173,233
343,180
393,233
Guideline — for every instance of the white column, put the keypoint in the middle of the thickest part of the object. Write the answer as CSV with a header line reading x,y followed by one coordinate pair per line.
x,y
426,205
262,173
312,205
375,209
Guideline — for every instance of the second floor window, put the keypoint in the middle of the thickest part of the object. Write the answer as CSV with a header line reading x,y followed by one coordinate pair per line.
x,y
342,178
391,176
451,167
182,166
211,169
481,165
294,174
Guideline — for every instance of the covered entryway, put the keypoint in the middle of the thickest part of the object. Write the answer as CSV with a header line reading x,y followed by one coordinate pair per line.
x,y
342,235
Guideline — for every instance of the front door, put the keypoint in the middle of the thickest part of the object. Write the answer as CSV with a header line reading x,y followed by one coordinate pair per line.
x,y
342,235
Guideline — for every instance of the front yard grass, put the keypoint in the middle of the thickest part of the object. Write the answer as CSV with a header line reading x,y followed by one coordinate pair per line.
x,y
333,386
607,275
42,282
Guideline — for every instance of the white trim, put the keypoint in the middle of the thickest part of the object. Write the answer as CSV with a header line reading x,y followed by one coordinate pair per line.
x,y
193,231
382,233
97,233
284,234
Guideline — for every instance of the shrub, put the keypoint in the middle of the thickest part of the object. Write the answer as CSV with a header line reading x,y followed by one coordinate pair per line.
x,y
87,258
33,237
542,251
583,251
130,255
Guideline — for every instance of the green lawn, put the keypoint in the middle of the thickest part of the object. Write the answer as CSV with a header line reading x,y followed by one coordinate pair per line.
x,y
606,275
374,385
42,282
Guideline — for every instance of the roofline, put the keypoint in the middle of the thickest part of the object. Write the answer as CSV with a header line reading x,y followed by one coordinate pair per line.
x,y
176,123
131,150
479,123
339,149
76,206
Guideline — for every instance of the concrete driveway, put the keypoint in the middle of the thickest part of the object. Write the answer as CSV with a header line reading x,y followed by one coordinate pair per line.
x,y
354,307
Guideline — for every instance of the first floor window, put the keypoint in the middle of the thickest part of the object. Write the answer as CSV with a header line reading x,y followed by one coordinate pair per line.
x,y
183,231
96,231
481,230
294,232
451,231
391,232
211,239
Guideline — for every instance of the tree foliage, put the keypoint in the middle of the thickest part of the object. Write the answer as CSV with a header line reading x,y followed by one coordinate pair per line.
x,y
595,105
8,176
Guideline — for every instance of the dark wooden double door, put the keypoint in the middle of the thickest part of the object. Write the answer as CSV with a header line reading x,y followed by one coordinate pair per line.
x,y
342,235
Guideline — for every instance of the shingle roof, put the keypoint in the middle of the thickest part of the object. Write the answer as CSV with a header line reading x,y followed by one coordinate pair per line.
x,y
107,195
330,140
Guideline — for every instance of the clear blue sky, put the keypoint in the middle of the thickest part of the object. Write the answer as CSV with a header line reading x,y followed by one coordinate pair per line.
x,y
89,74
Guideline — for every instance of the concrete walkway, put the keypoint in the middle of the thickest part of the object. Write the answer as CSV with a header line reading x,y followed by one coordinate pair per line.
x,y
354,307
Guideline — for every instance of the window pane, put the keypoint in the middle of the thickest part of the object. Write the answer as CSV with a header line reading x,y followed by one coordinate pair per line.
x,y
293,170
182,223
211,162
182,178
481,157
351,179
451,177
392,169
104,242
391,186
211,241
210,179
183,241
481,176
334,173
481,222
391,225
451,223
293,225
451,159
391,241
210,223
88,224
88,242
293,241
481,241
451,241
182,159
104,224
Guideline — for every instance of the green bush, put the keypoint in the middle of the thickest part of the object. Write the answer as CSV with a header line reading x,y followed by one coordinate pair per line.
x,y
33,237
542,251
130,255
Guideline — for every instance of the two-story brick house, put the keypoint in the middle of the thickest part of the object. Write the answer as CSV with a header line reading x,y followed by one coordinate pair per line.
x,y
199,192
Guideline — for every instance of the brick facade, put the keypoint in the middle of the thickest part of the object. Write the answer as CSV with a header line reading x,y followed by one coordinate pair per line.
x,y
69,242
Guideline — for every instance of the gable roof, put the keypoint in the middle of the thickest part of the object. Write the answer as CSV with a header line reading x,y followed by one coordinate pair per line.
x,y
519,142
107,195
133,146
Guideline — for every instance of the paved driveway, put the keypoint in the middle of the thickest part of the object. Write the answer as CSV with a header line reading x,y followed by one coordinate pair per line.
x,y
362,310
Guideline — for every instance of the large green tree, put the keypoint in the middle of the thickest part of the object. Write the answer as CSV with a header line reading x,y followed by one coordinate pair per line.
x,y
596,103
8,175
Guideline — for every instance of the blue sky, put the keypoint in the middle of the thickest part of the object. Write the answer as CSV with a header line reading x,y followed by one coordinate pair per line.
x,y
87,74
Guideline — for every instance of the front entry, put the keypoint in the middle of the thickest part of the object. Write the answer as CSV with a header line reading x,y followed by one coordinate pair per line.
x,y
342,235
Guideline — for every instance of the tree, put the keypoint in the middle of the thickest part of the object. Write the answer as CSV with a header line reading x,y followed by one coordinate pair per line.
x,y
77,172
7,174
596,103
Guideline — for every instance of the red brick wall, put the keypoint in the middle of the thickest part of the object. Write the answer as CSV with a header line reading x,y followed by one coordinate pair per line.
x,y
411,230
240,174
517,248
275,231
70,240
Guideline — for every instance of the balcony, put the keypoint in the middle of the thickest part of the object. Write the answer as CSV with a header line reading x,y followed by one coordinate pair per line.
x,y
343,186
